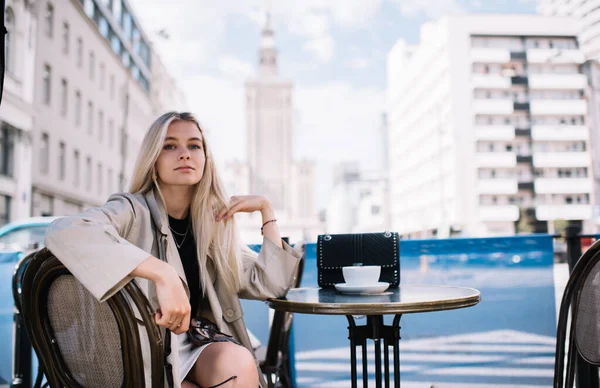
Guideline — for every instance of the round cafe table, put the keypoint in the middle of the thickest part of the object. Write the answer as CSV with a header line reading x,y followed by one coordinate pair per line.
x,y
401,300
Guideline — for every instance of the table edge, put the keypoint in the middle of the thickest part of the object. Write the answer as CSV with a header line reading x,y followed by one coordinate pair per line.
x,y
366,309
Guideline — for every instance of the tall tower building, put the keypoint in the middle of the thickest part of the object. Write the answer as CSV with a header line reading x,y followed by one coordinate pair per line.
x,y
488,128
269,125
271,169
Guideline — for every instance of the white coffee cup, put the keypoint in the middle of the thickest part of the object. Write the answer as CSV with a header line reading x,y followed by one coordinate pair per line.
x,y
361,275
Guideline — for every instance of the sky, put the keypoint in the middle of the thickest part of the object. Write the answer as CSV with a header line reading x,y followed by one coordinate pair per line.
x,y
333,50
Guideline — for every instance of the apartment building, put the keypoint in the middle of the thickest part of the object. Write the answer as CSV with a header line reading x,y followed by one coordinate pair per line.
x,y
93,99
587,12
488,129
16,112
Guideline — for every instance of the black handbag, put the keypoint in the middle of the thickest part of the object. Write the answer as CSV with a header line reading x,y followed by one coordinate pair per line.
x,y
335,251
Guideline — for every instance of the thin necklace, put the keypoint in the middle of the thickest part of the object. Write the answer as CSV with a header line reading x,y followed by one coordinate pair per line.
x,y
181,234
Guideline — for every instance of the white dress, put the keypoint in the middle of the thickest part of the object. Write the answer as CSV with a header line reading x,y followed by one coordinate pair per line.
x,y
188,354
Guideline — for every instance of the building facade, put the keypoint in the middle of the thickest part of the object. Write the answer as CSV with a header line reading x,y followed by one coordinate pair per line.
x,y
587,12
358,200
488,128
17,112
271,169
93,99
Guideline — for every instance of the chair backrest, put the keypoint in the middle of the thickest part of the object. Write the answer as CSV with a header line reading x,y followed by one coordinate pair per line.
x,y
21,373
582,298
279,334
82,342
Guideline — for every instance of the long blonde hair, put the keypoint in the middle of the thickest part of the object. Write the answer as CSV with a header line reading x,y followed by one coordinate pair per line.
x,y
215,240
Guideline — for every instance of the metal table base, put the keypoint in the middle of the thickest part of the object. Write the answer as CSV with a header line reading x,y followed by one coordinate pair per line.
x,y
377,331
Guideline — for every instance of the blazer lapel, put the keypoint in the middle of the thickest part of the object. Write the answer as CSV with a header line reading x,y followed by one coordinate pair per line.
x,y
166,242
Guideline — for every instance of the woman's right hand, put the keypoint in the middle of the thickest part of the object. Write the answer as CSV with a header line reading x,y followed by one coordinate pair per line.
x,y
174,313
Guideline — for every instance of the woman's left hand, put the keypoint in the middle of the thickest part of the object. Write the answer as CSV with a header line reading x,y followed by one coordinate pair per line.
x,y
244,204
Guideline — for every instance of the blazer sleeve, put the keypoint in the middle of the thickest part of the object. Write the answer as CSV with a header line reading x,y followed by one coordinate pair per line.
x,y
92,247
270,274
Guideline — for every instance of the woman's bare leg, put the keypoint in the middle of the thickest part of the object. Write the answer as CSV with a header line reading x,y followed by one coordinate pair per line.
x,y
187,384
221,360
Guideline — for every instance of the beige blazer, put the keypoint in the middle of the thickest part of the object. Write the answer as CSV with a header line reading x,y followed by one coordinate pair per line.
x,y
102,245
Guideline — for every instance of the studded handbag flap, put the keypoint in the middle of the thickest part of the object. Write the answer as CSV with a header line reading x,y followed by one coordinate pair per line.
x,y
335,251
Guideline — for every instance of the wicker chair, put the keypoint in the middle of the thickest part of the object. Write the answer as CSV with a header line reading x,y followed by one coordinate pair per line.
x,y
582,297
81,342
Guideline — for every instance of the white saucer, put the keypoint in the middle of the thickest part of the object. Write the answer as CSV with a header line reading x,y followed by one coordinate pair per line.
x,y
363,289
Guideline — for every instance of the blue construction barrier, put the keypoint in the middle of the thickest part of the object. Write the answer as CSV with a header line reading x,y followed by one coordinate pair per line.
x,y
508,339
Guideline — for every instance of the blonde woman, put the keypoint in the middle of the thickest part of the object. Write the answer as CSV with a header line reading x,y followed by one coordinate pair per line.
x,y
177,211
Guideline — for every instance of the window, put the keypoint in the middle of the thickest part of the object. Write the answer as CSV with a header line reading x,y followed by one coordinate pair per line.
x,y
61,160
49,20
90,117
116,10
112,87
127,24
88,173
47,84
5,211
79,52
103,27
99,177
102,75
88,7
92,65
111,129
100,125
76,168
65,36
7,150
78,108
109,179
64,92
9,39
45,153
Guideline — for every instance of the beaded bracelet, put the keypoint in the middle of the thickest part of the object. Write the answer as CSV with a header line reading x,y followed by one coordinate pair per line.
x,y
263,225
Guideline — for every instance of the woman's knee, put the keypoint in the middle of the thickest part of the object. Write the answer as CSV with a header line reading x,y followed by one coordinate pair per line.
x,y
222,360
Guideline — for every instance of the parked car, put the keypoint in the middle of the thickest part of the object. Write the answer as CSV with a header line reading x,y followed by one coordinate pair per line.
x,y
24,234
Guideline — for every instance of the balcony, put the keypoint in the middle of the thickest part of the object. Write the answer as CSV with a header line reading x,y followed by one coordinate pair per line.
x,y
563,212
497,186
519,80
518,56
525,186
490,55
557,81
493,107
521,132
496,159
561,159
563,185
560,132
555,56
499,213
494,132
524,159
490,81
521,106
558,107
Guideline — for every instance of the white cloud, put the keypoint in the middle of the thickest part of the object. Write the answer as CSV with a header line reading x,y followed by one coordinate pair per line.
x,y
336,122
358,63
235,68
322,48
431,9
